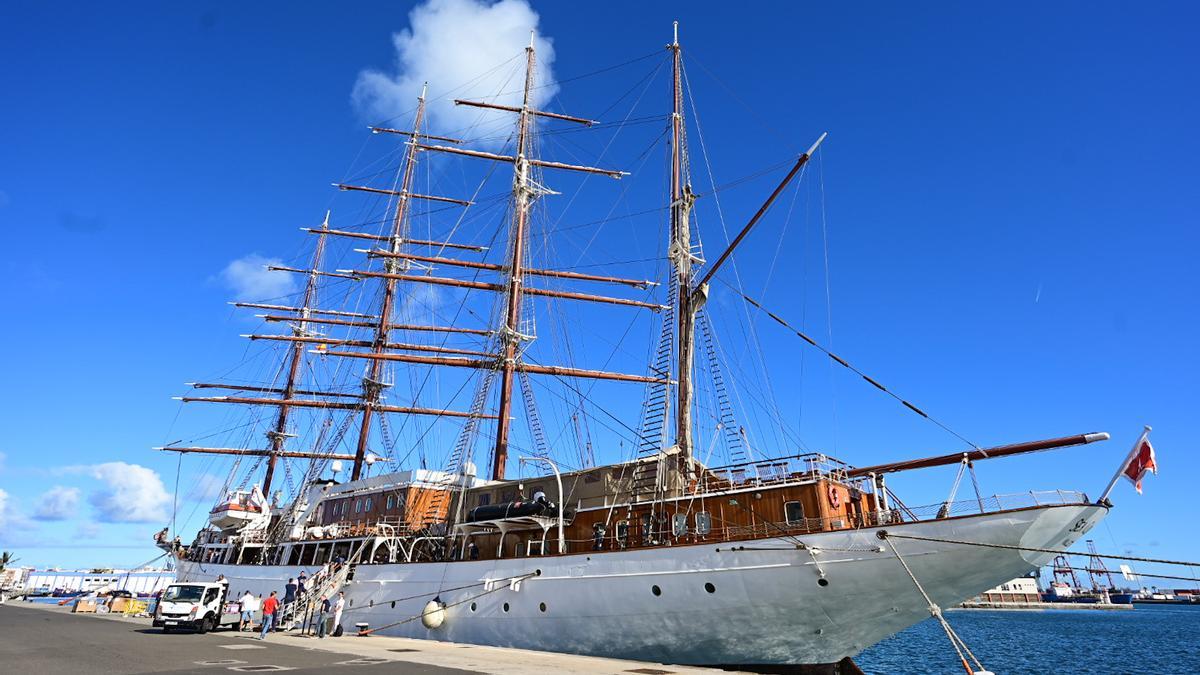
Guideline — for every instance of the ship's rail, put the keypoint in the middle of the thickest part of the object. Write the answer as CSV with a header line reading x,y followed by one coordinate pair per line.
x,y
774,471
387,526
992,504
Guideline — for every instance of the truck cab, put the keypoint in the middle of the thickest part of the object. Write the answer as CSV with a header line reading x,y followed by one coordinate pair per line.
x,y
198,606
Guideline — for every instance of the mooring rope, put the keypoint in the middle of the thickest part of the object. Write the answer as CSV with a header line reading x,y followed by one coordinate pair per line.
x,y
883,534
418,595
936,612
501,587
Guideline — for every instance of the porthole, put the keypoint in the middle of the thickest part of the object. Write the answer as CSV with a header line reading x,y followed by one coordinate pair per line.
x,y
822,581
656,590
506,606
537,573
473,607
393,604
710,588
542,606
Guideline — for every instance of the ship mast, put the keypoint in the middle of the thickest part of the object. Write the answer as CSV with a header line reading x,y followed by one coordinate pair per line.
x,y
681,261
279,434
511,336
506,361
299,319
692,296
372,384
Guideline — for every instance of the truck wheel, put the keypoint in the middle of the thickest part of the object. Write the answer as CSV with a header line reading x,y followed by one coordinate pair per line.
x,y
204,625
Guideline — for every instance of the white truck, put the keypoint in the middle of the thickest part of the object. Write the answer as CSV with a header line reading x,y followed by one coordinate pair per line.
x,y
198,606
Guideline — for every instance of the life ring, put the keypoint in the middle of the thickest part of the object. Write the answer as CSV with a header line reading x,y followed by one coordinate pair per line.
x,y
835,496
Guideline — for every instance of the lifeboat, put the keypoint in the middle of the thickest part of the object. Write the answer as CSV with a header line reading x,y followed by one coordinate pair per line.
x,y
238,509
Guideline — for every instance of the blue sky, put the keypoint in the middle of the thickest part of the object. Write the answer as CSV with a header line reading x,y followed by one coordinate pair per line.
x,y
1009,199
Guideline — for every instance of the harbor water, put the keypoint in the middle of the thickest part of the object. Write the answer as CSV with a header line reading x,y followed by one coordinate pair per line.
x,y
1149,639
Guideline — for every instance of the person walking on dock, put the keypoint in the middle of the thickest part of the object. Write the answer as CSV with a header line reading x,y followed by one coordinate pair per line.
x,y
269,607
322,612
246,604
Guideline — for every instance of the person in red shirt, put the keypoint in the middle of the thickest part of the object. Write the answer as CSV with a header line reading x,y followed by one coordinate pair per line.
x,y
268,615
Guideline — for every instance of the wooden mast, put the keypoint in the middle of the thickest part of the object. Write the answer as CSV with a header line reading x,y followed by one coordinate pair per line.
x,y
372,385
296,356
511,336
681,260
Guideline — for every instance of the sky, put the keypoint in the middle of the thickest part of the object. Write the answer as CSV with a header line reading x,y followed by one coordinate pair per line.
x,y
1001,225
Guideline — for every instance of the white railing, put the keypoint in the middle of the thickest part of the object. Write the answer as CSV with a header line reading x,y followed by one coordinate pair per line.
x,y
993,503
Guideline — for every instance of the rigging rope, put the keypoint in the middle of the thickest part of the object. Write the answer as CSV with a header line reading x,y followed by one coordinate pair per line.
x,y
778,319
828,300
175,494
763,376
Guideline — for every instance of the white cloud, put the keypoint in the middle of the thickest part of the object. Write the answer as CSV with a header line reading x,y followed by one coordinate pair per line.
x,y
87,531
420,301
250,279
10,518
4,513
57,503
129,494
456,46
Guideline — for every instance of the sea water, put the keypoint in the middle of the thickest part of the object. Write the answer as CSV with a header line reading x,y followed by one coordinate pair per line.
x,y
1148,639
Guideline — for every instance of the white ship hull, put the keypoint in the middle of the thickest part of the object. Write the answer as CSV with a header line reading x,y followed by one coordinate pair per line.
x,y
765,607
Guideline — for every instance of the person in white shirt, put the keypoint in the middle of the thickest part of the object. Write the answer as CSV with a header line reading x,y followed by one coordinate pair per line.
x,y
337,611
247,604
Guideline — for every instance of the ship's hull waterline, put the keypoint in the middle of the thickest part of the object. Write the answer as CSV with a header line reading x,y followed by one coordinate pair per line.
x,y
701,604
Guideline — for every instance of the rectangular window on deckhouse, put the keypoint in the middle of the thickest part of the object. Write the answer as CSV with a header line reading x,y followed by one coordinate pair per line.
x,y
793,512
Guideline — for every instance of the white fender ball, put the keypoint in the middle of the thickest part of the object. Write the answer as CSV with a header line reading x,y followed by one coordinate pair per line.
x,y
434,614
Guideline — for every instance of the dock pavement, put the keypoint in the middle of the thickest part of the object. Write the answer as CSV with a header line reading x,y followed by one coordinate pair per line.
x,y
50,640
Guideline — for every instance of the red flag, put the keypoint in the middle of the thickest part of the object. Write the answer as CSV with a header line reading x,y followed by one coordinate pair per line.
x,y
1141,460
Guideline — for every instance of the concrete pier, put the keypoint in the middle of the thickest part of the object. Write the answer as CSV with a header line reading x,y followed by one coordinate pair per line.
x,y
49,640
1043,605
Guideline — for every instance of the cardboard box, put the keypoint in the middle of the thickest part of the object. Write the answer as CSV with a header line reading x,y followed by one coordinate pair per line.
x,y
84,607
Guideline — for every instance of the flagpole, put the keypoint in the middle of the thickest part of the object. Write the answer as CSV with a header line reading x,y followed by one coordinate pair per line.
x,y
1121,469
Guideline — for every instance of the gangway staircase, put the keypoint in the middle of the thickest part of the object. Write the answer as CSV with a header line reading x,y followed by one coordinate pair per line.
x,y
323,586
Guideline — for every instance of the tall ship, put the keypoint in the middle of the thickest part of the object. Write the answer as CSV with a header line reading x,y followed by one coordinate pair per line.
x,y
420,434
